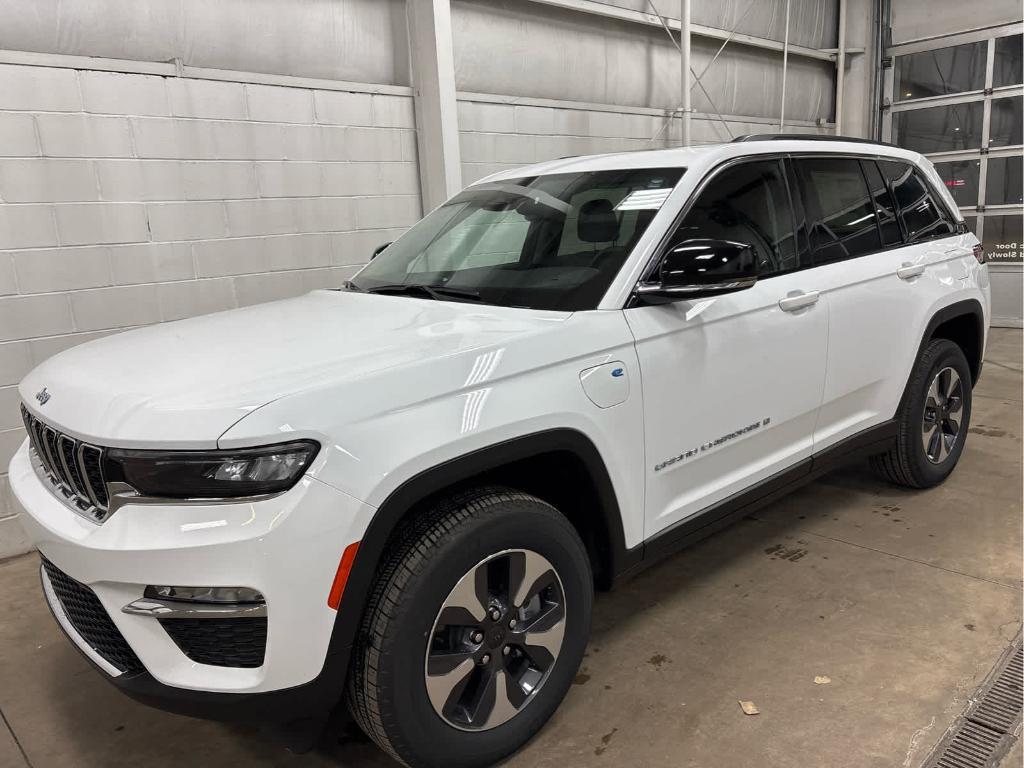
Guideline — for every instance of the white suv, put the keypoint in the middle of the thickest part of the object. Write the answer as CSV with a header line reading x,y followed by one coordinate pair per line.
x,y
401,494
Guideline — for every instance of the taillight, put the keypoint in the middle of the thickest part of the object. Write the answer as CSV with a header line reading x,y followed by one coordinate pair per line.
x,y
979,253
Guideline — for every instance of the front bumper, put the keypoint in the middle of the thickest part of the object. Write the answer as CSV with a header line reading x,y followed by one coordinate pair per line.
x,y
287,548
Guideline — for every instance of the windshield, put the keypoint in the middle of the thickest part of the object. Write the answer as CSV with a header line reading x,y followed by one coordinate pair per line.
x,y
543,242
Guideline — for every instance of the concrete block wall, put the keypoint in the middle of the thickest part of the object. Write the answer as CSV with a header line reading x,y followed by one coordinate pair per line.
x,y
130,199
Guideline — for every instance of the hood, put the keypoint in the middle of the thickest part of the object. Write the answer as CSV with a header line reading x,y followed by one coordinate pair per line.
x,y
185,383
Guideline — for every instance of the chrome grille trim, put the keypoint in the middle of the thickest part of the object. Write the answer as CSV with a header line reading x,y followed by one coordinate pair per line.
x,y
72,468
89,456
68,451
50,444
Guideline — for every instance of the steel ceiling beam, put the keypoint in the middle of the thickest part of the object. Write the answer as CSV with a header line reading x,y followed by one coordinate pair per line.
x,y
697,30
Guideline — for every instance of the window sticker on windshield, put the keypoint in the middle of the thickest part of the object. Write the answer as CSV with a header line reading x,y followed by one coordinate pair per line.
x,y
644,200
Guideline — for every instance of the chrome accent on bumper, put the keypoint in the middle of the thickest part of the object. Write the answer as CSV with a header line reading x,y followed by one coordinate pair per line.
x,y
181,609
122,494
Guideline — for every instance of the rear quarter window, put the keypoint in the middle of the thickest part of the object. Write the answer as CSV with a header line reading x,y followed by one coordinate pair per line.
x,y
888,215
923,216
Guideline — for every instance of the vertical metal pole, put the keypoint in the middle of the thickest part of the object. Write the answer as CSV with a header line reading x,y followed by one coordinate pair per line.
x,y
840,67
785,65
433,79
888,89
874,127
684,59
986,139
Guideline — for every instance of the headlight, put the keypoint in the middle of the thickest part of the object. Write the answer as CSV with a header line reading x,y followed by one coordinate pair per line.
x,y
211,474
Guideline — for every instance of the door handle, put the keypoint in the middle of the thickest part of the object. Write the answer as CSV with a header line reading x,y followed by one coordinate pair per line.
x,y
799,301
909,271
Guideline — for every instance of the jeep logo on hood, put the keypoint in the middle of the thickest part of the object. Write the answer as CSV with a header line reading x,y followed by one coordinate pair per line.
x,y
43,396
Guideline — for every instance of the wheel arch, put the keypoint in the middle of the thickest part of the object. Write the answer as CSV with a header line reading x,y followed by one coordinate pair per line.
x,y
532,463
963,323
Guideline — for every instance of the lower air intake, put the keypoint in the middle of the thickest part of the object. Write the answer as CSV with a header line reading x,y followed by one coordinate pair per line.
x,y
231,642
87,615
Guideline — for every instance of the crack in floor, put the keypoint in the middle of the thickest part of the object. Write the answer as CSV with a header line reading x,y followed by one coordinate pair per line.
x,y
914,739
912,560
1004,365
15,739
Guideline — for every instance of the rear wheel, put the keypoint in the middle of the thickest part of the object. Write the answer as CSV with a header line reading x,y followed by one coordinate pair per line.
x,y
474,632
933,420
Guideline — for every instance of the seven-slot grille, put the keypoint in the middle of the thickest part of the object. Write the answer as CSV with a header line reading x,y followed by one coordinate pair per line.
x,y
74,468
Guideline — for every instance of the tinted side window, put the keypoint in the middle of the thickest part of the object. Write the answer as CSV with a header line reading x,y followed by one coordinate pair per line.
x,y
839,206
922,216
884,206
747,203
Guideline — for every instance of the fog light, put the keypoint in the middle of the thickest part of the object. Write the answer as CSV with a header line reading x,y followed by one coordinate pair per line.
x,y
205,594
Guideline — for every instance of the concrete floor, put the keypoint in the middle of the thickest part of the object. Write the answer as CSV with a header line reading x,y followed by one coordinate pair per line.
x,y
904,599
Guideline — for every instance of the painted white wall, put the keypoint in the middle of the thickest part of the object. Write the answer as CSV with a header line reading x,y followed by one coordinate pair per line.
x,y
1007,295
130,199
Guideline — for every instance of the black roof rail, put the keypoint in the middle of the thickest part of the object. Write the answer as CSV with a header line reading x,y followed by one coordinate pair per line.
x,y
808,137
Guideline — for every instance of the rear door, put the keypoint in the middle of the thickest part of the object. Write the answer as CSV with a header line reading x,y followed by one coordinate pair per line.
x,y
731,384
885,254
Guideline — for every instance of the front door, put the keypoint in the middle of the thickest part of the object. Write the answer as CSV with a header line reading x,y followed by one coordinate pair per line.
x,y
732,384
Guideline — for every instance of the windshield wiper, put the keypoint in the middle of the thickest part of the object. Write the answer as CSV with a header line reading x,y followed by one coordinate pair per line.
x,y
436,292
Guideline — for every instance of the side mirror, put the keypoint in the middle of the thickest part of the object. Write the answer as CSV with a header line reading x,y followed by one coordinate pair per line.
x,y
377,251
695,269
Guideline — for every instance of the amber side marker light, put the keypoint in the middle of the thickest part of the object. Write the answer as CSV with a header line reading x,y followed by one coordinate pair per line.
x,y
348,557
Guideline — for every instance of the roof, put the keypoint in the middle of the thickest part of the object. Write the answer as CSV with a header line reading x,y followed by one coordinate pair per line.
x,y
706,155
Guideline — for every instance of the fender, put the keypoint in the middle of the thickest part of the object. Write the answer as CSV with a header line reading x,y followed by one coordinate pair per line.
x,y
966,307
419,487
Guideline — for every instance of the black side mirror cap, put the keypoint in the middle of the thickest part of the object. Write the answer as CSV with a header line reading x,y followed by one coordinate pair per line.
x,y
698,268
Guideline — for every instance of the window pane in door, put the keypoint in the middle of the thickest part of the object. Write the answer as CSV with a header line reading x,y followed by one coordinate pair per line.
x,y
1003,238
1006,128
1008,61
884,206
923,218
748,203
961,179
945,70
1003,186
840,208
940,129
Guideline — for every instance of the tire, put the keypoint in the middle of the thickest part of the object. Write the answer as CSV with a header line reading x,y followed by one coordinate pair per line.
x,y
493,531
911,462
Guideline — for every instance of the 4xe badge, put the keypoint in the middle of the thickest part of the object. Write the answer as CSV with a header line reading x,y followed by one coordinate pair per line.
x,y
43,396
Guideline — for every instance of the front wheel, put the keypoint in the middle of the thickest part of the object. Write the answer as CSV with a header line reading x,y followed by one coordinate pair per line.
x,y
474,631
933,419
